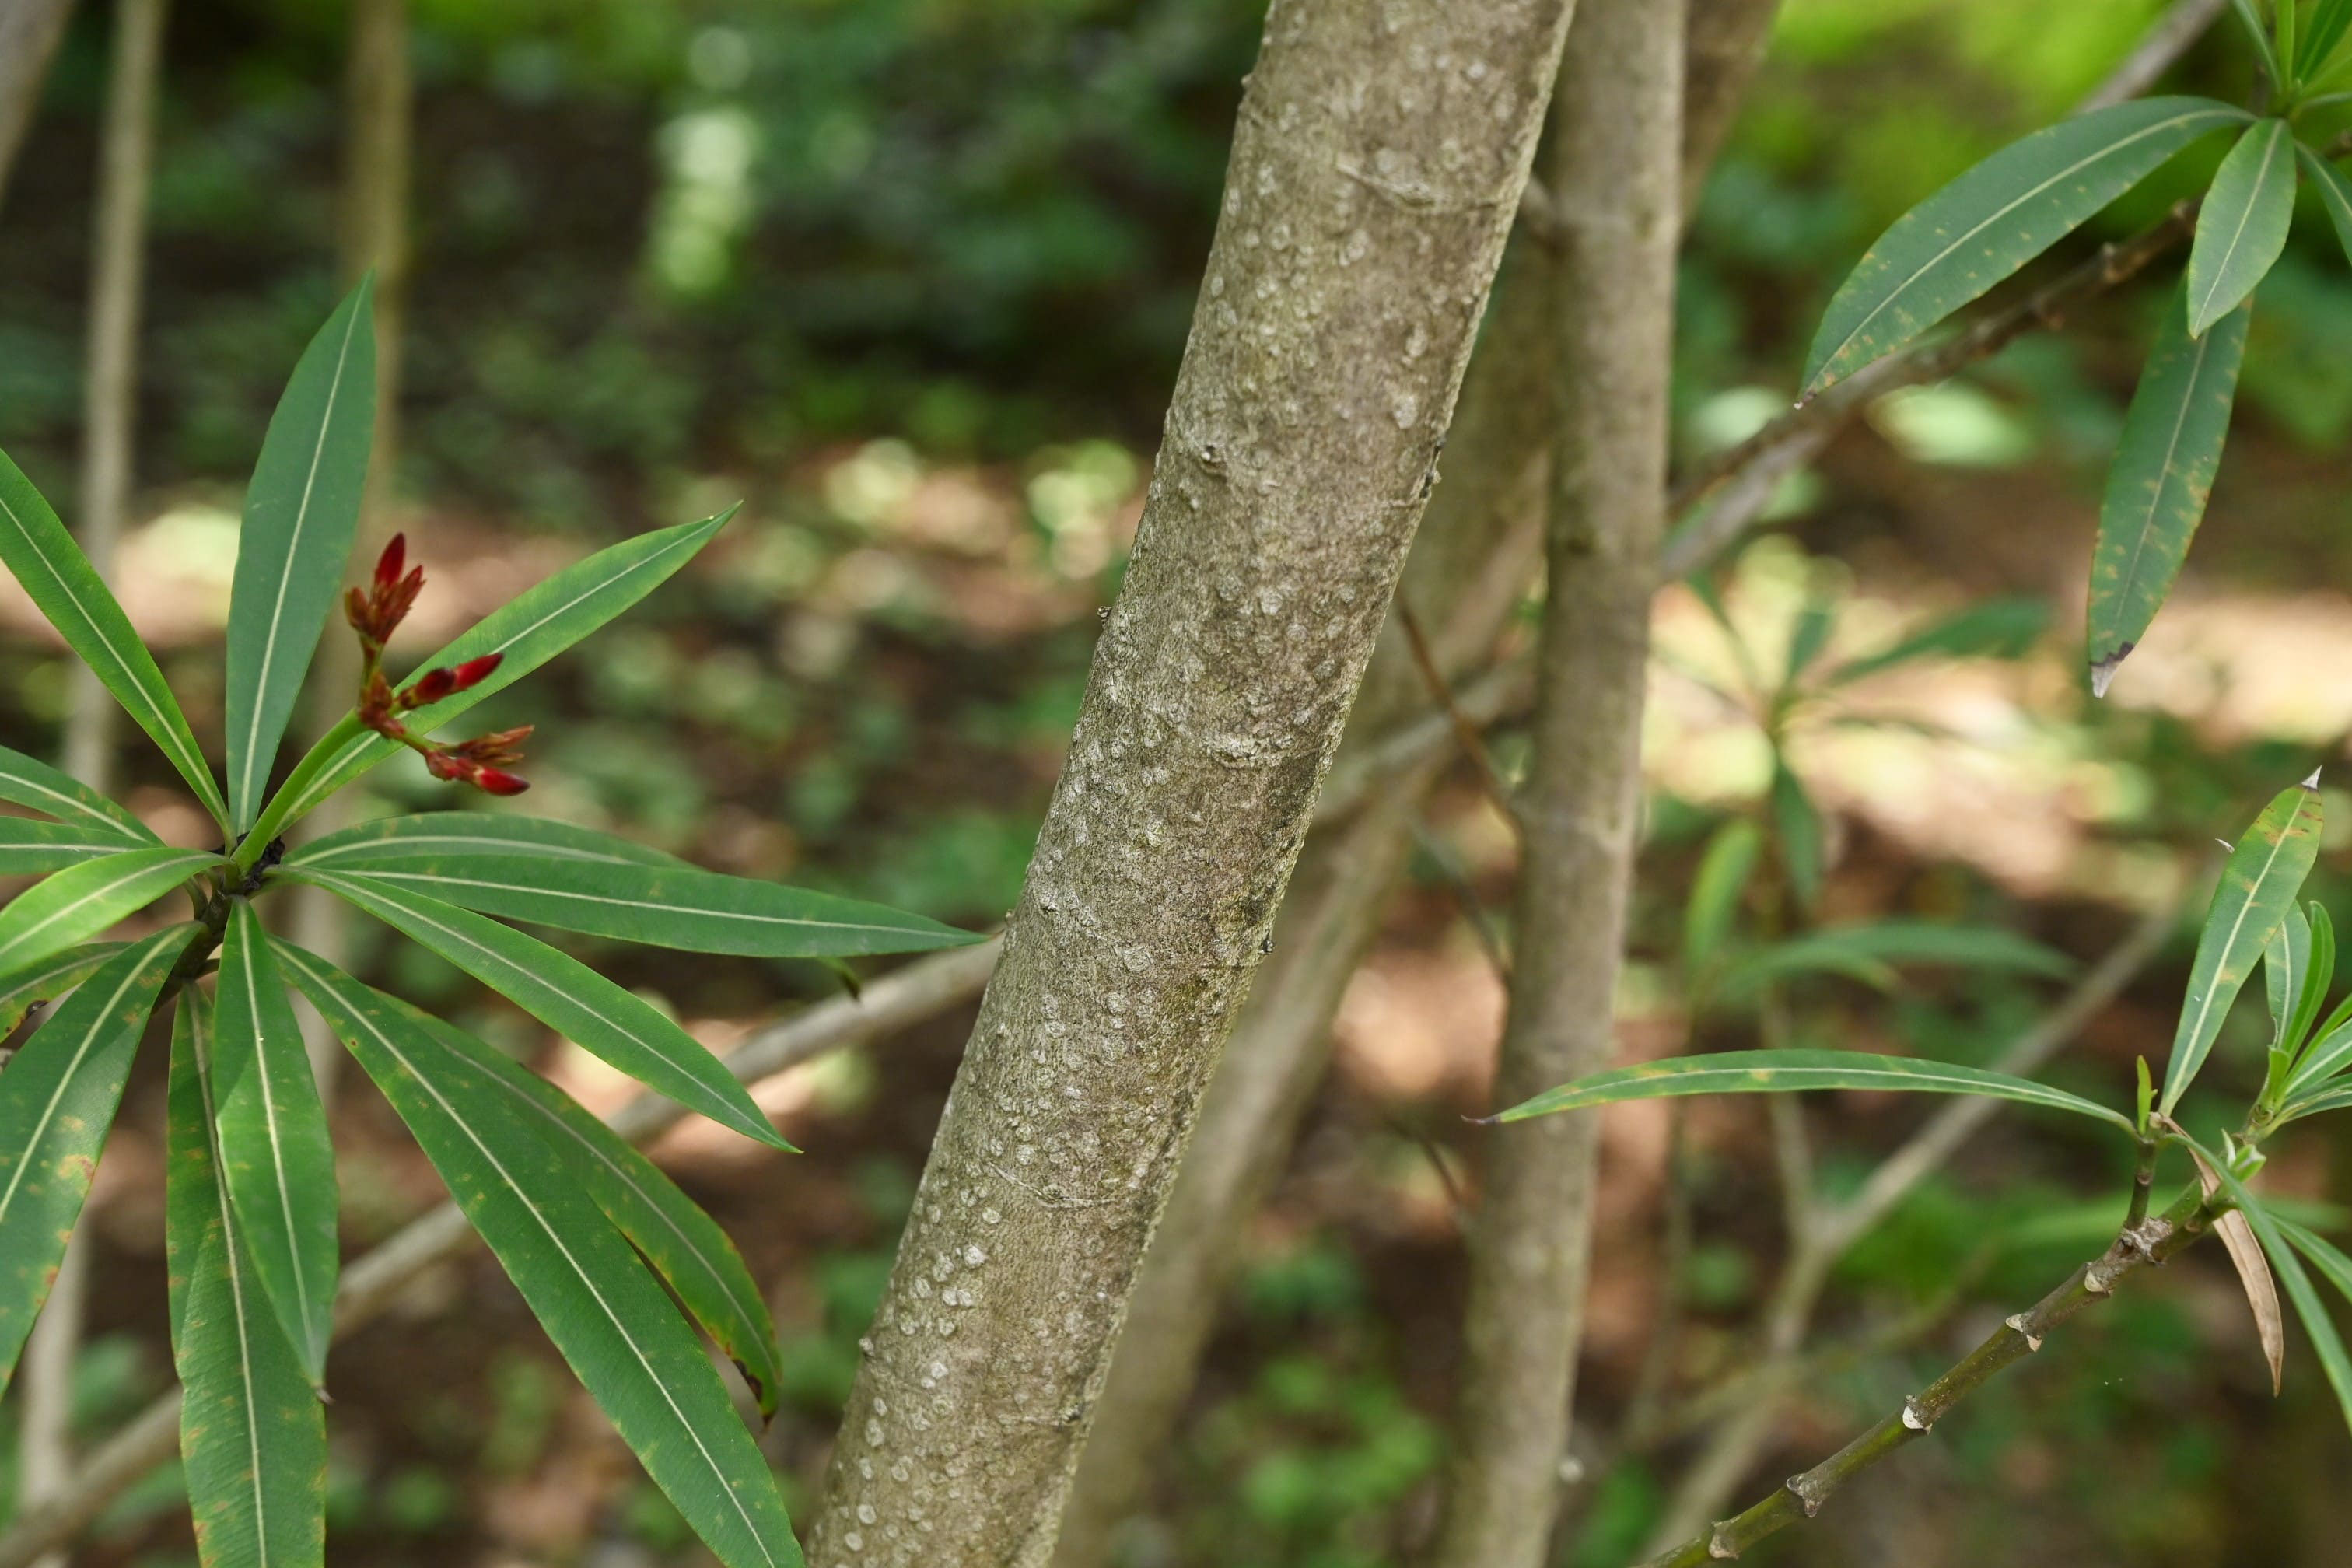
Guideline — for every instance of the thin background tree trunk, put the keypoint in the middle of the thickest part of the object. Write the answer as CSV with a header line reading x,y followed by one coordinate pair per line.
x,y
1617,183
378,110
1379,158
110,412
1477,550
30,32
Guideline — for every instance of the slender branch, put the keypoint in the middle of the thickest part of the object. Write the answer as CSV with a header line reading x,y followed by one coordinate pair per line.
x,y
1467,733
907,996
1739,1435
2046,308
30,32
2167,39
2019,1336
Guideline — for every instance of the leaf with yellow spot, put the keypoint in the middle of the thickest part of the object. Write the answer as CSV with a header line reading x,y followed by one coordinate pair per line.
x,y
58,1097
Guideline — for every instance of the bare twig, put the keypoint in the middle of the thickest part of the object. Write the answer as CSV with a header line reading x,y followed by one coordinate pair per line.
x,y
2046,308
2167,39
907,996
1466,733
2155,1241
1739,1440
1465,897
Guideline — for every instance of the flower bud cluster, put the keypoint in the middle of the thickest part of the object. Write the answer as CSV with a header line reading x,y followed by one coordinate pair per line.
x,y
374,613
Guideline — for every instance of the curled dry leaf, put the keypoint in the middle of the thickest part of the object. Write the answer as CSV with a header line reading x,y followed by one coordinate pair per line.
x,y
2254,1273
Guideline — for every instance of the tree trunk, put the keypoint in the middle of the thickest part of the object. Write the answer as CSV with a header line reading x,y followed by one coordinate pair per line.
x,y
30,32
1474,558
1377,164
109,414
1477,550
374,234
1617,182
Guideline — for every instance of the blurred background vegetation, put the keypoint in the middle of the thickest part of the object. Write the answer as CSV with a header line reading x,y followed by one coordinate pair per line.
x,y
911,278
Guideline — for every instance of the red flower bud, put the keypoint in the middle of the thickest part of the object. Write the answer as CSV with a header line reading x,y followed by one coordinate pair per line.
x,y
431,687
496,782
388,564
474,672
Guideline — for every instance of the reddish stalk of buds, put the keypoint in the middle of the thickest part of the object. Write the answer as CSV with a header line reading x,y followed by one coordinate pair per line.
x,y
374,613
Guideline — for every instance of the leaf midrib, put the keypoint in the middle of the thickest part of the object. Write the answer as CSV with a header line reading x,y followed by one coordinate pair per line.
x,y
1945,254
293,550
2276,132
459,1121
202,1055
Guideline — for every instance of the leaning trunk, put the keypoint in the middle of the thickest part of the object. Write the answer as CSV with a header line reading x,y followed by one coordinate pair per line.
x,y
1477,549
1617,184
1377,160
110,416
29,32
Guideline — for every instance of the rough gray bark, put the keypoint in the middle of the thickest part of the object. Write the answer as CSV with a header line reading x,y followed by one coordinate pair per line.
x,y
1474,552
1617,135
29,32
1472,559
109,409
1724,44
1376,165
377,114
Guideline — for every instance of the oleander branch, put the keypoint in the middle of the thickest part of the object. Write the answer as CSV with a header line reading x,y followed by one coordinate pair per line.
x,y
1801,1496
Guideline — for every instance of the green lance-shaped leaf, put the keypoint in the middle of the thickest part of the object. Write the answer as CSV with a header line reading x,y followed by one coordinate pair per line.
x,y
684,1245
58,1097
2336,1269
61,580
2242,226
276,1154
1872,952
567,996
36,786
2323,29
253,1436
2314,1101
2161,479
2001,628
628,1345
1717,890
25,989
437,835
1804,852
302,511
2318,975
2329,1054
1994,219
526,631
82,900
2286,965
2258,888
1816,624
1781,1072
2251,20
31,848
675,907
2335,193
